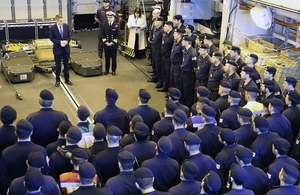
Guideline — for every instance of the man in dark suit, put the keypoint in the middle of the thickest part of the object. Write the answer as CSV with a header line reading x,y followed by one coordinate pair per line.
x,y
60,36
110,34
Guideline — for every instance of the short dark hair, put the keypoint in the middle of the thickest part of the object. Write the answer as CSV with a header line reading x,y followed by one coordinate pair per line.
x,y
23,134
86,180
145,182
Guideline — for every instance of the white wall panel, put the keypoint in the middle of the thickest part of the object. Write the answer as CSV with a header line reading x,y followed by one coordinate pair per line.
x,y
5,10
21,9
37,10
293,4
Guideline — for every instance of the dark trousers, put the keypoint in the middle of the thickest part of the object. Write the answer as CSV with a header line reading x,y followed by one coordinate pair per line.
x,y
156,63
110,53
166,71
175,78
65,57
138,53
188,83
100,47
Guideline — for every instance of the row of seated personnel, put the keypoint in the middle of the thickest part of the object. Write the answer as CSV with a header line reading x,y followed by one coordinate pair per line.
x,y
253,158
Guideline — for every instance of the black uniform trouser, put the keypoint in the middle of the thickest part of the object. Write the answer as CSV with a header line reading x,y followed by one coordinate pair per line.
x,y
156,63
188,83
175,76
65,57
110,53
138,53
100,43
166,71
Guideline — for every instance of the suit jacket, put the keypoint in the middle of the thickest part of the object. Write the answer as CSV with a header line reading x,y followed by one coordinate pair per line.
x,y
110,34
56,38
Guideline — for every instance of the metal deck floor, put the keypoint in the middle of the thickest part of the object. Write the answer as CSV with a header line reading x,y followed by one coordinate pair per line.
x,y
88,91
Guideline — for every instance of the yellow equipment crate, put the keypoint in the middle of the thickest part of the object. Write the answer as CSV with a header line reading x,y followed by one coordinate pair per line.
x,y
43,50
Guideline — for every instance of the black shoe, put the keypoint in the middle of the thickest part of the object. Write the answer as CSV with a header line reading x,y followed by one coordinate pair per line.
x,y
69,83
167,96
57,83
149,64
150,71
159,86
162,90
113,73
106,72
151,81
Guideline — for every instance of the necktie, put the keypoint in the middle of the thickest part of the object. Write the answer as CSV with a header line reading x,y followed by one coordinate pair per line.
x,y
61,31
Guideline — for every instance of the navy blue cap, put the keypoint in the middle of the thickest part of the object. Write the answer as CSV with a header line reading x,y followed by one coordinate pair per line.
x,y
290,80
209,36
234,94
46,95
34,179
114,131
276,102
202,91
271,70
8,114
187,38
225,84
213,181
169,23
282,145
235,48
99,131
192,139
189,169
204,46
136,118
174,92
111,93
87,170
217,54
141,128
261,122
243,153
74,133
79,153
245,112
208,111
269,83
24,125
179,116
291,171
204,100
294,96
125,156
159,19
191,27
238,173
165,144
171,106
143,93
251,89
36,159
248,70
179,30
231,62
64,127
227,135
143,172
106,1
83,112
254,56
178,17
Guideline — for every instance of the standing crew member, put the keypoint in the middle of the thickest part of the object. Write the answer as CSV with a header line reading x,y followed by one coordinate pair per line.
x,y
110,34
101,18
60,35
188,75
